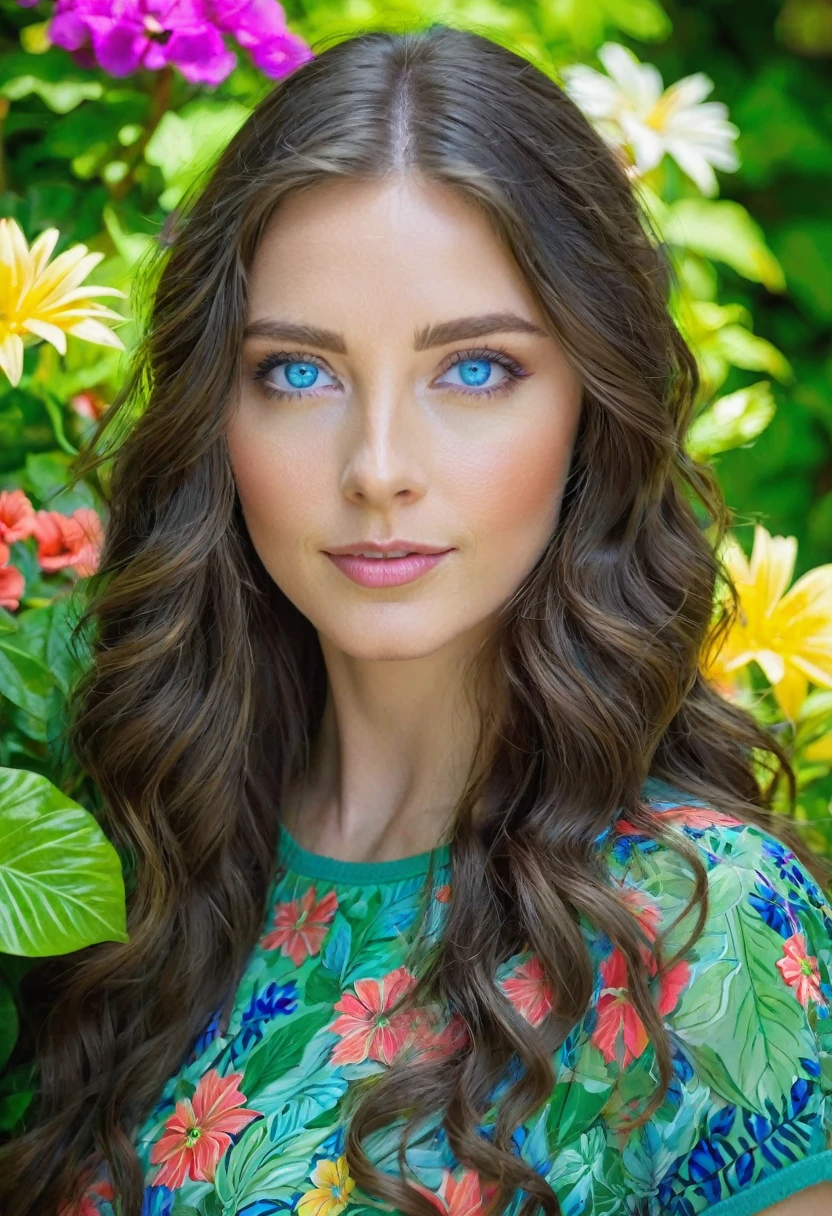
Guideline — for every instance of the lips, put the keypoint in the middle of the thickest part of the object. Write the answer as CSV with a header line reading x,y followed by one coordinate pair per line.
x,y
386,571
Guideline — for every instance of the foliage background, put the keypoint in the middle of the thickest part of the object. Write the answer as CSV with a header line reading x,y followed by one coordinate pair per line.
x,y
107,161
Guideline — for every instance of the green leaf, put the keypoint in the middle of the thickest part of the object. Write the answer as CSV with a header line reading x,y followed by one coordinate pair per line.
x,y
723,230
8,1024
24,680
283,1048
731,421
61,884
185,144
322,987
45,633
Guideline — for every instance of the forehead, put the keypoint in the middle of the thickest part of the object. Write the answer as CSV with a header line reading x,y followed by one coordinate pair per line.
x,y
387,250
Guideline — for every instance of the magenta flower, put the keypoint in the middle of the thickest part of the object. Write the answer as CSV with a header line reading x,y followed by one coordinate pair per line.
x,y
123,36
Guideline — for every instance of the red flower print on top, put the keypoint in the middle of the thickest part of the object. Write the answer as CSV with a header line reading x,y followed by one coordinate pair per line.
x,y
619,1032
367,1030
88,1204
529,991
466,1196
301,925
433,1043
200,1130
800,970
443,893
689,816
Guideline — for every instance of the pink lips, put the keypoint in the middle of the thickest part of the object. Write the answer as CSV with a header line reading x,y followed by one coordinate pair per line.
x,y
386,571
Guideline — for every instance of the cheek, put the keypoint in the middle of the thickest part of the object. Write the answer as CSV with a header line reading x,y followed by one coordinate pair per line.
x,y
280,486
514,488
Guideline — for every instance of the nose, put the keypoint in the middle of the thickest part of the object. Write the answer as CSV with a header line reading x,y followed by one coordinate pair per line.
x,y
387,451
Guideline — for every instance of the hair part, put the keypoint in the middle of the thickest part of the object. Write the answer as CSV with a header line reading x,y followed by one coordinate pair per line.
x,y
206,685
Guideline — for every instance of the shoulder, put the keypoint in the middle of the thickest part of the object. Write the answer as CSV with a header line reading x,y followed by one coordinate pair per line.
x,y
746,1009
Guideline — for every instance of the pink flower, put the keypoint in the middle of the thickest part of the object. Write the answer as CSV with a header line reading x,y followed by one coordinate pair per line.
x,y
301,925
200,1130
12,583
123,36
88,405
800,970
368,1030
69,540
17,516
529,991
466,1196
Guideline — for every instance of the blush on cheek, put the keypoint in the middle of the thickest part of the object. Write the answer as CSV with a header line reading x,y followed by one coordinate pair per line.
x,y
522,488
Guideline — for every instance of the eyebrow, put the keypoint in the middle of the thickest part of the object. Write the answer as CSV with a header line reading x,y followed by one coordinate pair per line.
x,y
461,329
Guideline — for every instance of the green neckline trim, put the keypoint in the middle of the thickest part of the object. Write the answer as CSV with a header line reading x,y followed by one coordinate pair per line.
x,y
332,869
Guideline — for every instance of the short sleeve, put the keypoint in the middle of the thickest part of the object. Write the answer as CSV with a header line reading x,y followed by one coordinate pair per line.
x,y
747,1120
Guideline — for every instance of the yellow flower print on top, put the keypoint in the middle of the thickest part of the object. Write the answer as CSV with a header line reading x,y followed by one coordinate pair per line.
x,y
331,1193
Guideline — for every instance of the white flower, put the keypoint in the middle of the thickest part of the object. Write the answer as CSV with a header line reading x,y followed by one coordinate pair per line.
x,y
630,107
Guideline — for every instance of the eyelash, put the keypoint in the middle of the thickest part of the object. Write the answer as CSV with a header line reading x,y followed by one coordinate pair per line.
x,y
491,354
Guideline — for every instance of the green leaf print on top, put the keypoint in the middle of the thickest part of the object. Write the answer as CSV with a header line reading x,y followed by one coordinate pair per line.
x,y
253,1123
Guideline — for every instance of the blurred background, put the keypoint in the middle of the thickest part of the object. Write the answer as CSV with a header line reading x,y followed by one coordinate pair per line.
x,y
109,116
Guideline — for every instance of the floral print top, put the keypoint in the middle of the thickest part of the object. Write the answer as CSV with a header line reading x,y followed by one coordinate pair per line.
x,y
252,1122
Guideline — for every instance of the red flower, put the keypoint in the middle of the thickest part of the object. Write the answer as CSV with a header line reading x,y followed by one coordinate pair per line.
x,y
69,540
701,817
17,516
12,583
463,1197
619,1031
367,1031
431,1043
200,1130
443,893
88,1204
693,816
529,991
301,925
800,970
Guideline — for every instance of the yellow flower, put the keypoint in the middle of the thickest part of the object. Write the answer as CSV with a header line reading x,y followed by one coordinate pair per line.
x,y
788,633
332,1191
47,301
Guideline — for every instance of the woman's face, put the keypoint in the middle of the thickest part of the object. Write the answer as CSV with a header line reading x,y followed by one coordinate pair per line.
x,y
427,403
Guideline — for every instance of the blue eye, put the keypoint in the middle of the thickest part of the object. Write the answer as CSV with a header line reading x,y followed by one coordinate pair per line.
x,y
285,375
475,373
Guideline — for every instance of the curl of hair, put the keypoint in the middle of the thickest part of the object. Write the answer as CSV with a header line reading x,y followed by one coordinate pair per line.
x,y
206,684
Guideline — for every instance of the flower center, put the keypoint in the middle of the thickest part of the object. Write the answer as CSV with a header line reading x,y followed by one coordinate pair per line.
x,y
192,1135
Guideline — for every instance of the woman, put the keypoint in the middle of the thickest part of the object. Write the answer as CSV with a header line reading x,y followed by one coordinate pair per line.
x,y
454,887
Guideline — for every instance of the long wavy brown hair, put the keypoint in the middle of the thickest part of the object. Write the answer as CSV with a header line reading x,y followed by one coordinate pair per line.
x,y
206,685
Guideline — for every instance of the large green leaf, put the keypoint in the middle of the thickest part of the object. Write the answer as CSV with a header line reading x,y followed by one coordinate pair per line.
x,y
741,1023
61,884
